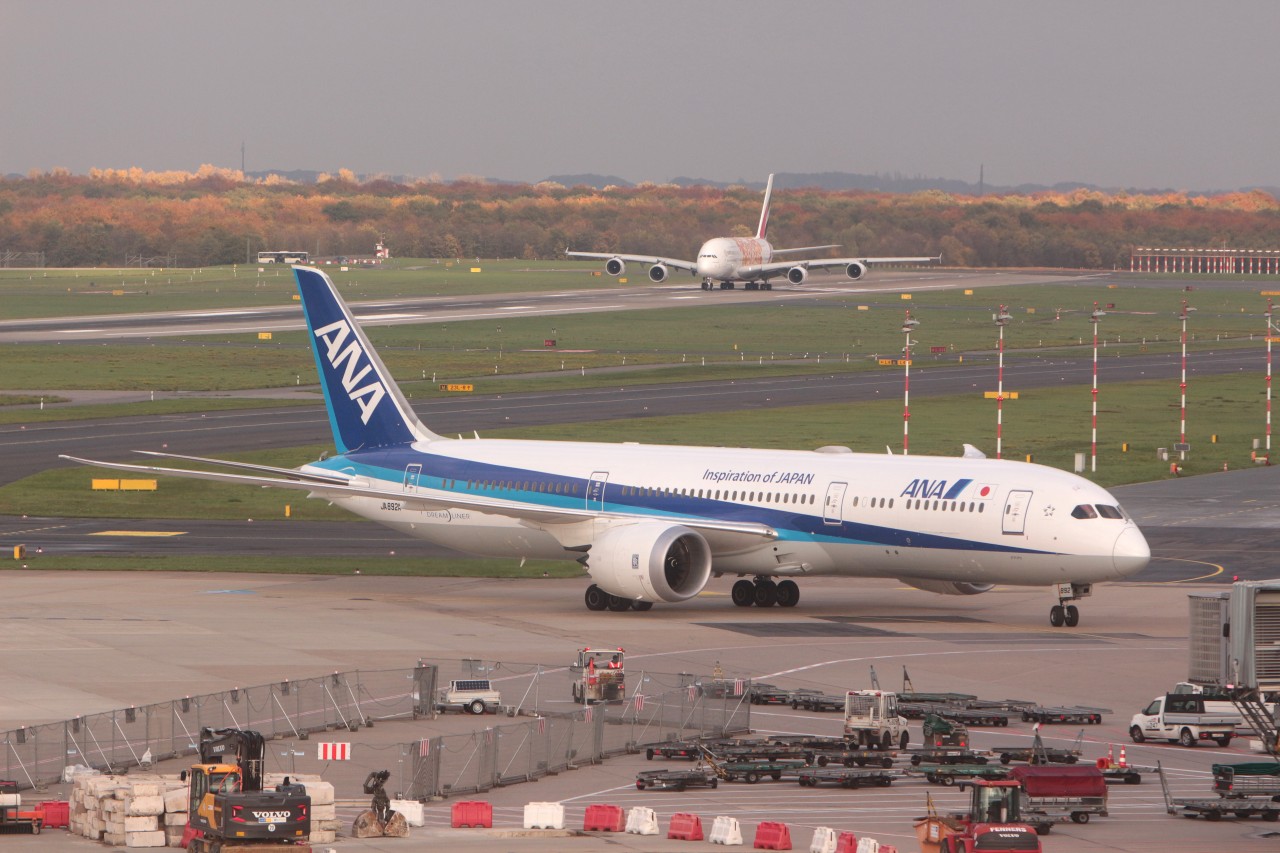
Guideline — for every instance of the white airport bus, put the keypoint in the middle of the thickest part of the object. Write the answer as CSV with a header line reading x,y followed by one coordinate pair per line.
x,y
282,257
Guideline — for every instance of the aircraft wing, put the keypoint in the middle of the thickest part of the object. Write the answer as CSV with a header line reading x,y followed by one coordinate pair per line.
x,y
780,267
675,263
339,486
805,249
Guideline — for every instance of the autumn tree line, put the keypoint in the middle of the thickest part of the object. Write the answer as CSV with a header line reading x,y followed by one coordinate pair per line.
x,y
217,216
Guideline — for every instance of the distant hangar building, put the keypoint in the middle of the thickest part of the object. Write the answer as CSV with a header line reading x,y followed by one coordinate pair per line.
x,y
1206,261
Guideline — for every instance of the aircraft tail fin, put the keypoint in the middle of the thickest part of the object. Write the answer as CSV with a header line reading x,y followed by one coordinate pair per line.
x,y
764,211
366,407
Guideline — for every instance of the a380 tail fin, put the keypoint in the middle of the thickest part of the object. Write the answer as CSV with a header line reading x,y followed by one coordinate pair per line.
x,y
366,408
764,211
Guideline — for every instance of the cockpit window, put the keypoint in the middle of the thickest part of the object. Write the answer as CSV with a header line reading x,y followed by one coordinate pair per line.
x,y
1109,511
1084,511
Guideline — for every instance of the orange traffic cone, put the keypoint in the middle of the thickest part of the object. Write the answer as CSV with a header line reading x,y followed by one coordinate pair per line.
x,y
1123,761
1111,755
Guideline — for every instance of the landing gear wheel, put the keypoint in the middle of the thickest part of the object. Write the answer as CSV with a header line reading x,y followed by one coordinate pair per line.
x,y
618,604
743,593
766,594
596,598
768,285
642,605
1057,615
1072,616
788,594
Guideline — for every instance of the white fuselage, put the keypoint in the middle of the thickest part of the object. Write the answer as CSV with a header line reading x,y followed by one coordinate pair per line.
x,y
724,258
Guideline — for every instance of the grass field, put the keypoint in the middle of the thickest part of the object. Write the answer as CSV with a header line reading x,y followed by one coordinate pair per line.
x,y
381,565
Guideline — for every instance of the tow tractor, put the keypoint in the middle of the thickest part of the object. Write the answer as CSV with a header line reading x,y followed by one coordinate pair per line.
x,y
993,822
601,676
228,809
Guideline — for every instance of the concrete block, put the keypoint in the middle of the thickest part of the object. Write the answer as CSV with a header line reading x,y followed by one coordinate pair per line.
x,y
141,823
326,812
323,836
178,819
148,805
176,800
154,838
413,811
113,839
321,793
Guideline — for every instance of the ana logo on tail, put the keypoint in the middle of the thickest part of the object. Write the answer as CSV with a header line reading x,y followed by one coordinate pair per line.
x,y
366,397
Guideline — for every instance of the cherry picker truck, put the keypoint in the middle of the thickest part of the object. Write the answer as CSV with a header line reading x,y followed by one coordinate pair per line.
x,y
227,808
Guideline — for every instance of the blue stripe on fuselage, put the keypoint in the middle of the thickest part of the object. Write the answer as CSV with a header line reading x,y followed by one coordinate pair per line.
x,y
470,477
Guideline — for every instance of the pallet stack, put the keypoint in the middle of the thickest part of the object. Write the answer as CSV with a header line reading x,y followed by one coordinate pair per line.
x,y
128,811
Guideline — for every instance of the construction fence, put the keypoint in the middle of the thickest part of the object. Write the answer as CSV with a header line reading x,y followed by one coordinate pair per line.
x,y
548,732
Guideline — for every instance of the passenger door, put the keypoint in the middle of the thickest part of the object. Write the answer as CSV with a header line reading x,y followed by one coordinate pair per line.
x,y
1015,512
595,491
411,475
833,506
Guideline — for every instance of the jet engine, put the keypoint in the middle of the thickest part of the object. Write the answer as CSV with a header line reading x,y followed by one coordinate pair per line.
x,y
615,266
856,270
650,560
797,275
657,273
947,587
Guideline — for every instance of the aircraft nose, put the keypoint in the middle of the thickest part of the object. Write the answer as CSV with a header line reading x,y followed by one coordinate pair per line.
x,y
1131,553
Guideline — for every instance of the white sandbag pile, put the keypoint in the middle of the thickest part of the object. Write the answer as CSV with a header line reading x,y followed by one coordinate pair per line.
x,y
324,812
129,811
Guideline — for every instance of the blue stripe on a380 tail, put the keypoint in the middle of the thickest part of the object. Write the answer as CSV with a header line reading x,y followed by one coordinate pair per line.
x,y
363,403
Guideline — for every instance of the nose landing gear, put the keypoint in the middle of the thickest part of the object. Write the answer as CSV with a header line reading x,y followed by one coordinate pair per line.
x,y
1066,614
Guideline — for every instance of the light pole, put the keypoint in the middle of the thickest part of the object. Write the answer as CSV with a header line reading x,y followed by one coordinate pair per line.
x,y
907,326
1096,316
1002,319
1182,434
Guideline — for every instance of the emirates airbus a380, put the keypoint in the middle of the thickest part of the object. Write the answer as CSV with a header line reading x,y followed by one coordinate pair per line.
x,y
728,260
653,523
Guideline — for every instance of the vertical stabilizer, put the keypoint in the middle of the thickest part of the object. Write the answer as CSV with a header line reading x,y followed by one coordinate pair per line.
x,y
366,408
764,211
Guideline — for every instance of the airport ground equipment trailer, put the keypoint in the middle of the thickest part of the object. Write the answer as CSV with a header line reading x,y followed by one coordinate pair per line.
x,y
758,751
816,701
768,694
1073,714
1249,779
871,719
14,820
959,713
949,774
751,772
1038,753
470,696
686,749
677,780
852,757
945,755
1062,793
1216,808
845,777
599,676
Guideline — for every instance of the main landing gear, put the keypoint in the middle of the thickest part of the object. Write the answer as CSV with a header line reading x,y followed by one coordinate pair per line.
x,y
763,592
598,599
1068,614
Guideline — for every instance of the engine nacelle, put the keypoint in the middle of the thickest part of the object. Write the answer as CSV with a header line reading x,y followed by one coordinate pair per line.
x,y
650,561
615,266
856,270
797,275
657,273
948,587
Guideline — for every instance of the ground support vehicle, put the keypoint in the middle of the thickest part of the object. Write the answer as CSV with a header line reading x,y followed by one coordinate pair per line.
x,y
227,808
1038,753
678,780
1216,808
969,716
994,821
817,702
1250,779
1061,793
852,757
939,731
845,777
871,719
768,694
1182,718
600,676
945,755
1073,714
689,750
761,752
1130,774
13,819
469,695
949,774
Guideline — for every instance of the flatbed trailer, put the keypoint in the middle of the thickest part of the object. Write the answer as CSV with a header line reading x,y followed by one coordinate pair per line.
x,y
1073,714
844,777
768,694
760,752
677,780
1038,753
817,702
852,757
949,774
1129,774
1216,808
1250,779
945,755
752,772
960,714
688,750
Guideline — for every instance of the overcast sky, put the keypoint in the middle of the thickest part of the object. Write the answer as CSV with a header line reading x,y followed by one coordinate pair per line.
x,y
1139,93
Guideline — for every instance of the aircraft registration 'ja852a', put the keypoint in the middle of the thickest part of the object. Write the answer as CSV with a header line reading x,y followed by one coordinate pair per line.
x,y
655,523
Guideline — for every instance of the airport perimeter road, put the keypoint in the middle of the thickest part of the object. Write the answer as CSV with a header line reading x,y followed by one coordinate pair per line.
x,y
87,642
28,449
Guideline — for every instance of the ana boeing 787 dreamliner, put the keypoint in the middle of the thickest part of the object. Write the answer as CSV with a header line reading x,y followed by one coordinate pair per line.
x,y
747,259
655,523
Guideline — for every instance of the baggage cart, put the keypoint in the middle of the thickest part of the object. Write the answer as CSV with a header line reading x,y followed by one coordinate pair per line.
x,y
1216,808
945,755
844,777
688,750
949,774
1249,779
1073,714
677,780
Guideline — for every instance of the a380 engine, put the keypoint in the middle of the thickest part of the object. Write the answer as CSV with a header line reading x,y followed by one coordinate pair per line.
x,y
856,270
948,587
615,266
797,275
657,273
651,561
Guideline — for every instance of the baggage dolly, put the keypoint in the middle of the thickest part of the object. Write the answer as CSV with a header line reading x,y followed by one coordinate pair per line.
x,y
844,777
677,780
1218,807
